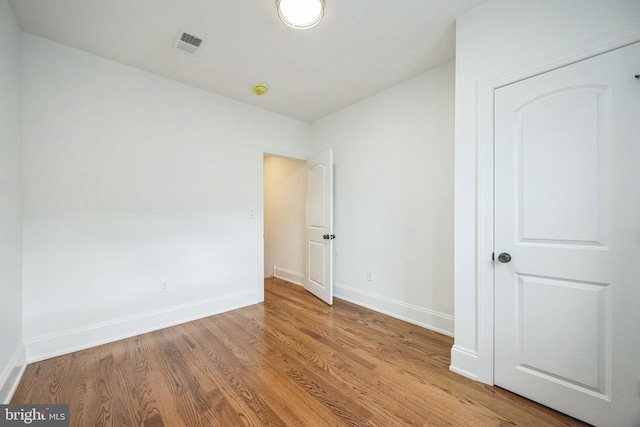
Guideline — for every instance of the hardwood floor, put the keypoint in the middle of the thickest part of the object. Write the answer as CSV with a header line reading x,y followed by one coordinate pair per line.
x,y
291,361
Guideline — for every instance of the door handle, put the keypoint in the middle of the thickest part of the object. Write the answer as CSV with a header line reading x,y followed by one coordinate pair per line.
x,y
504,257
325,236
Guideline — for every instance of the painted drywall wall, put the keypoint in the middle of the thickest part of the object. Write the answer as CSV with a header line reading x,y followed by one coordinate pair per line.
x,y
11,348
131,181
393,198
541,35
285,191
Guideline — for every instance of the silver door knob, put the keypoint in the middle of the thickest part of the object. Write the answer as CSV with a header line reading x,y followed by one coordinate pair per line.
x,y
504,257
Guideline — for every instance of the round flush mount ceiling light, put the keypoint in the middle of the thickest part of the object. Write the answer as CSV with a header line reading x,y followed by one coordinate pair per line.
x,y
300,14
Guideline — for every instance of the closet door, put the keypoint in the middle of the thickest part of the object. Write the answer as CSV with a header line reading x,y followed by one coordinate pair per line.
x,y
567,238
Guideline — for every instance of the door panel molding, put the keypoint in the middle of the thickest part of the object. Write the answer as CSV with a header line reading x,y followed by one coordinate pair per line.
x,y
593,374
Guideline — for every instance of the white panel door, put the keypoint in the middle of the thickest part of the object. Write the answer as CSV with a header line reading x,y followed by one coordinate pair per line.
x,y
567,211
319,274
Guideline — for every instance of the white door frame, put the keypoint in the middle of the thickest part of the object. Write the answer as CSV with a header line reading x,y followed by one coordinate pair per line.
x,y
265,151
484,179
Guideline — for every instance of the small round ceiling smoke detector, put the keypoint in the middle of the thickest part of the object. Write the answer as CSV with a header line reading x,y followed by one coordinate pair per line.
x,y
300,14
260,90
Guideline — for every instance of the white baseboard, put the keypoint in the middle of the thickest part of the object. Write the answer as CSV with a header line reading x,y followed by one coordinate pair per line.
x,y
429,319
288,275
13,374
464,362
53,345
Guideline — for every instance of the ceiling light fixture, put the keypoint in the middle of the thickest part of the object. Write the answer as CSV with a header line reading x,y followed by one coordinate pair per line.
x,y
300,14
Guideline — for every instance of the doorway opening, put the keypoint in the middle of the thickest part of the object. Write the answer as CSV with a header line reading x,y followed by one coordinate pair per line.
x,y
284,213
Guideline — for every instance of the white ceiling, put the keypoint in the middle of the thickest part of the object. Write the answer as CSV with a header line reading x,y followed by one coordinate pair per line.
x,y
360,48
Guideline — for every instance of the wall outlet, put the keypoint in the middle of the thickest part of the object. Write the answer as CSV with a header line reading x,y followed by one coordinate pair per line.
x,y
370,275
164,287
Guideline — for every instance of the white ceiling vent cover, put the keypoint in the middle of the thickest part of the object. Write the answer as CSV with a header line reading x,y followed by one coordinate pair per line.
x,y
188,43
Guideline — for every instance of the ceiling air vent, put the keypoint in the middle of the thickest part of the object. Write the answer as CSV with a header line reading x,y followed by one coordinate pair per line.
x,y
188,43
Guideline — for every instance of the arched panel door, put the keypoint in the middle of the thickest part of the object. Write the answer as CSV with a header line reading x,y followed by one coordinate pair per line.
x,y
567,238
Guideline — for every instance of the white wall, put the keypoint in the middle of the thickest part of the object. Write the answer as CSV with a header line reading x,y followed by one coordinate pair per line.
x,y
500,42
393,184
131,179
12,357
285,192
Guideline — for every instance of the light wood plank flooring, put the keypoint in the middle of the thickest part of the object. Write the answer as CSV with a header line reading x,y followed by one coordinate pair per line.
x,y
291,361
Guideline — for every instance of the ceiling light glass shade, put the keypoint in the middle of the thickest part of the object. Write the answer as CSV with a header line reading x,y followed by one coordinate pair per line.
x,y
300,14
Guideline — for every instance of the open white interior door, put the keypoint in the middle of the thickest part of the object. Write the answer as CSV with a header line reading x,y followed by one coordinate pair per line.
x,y
319,240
